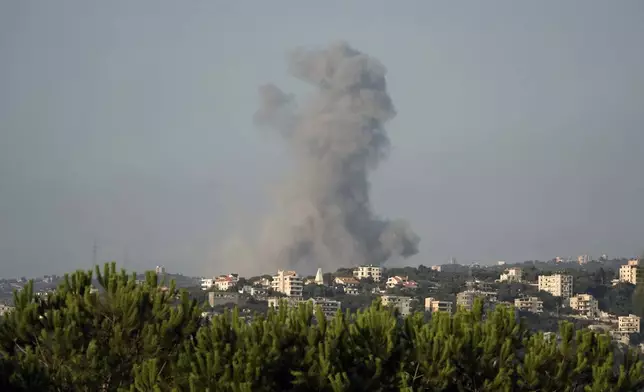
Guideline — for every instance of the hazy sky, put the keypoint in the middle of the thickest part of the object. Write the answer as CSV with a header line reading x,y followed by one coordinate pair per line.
x,y
519,133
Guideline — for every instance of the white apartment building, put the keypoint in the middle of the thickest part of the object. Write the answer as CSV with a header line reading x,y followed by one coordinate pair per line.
x,y
585,304
207,283
288,283
628,272
558,285
465,299
583,259
402,304
433,305
512,275
529,304
368,271
629,324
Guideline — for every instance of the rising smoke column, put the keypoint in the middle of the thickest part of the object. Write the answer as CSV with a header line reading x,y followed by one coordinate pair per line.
x,y
325,218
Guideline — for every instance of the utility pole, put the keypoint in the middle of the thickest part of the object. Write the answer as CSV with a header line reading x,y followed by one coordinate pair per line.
x,y
94,255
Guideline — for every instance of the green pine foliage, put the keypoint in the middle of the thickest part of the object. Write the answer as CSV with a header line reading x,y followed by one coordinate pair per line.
x,y
144,337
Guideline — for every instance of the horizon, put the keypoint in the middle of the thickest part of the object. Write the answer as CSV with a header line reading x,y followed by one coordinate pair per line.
x,y
119,266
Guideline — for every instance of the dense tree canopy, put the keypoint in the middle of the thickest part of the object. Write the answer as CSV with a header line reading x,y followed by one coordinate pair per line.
x,y
144,337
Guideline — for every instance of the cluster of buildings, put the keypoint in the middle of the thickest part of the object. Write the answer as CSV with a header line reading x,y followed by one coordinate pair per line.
x,y
221,282
291,285
288,287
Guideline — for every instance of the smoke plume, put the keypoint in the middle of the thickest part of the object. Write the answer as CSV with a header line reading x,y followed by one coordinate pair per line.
x,y
337,138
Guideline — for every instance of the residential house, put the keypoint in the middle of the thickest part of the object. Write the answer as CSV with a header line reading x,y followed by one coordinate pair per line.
x,y
226,282
347,281
401,281
368,271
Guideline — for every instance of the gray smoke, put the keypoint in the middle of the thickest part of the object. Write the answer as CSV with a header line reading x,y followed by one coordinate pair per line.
x,y
337,139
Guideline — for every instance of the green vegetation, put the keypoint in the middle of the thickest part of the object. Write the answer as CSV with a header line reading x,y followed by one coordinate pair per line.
x,y
129,337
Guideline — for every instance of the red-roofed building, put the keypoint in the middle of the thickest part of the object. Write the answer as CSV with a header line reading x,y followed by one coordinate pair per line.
x,y
394,281
225,282
410,284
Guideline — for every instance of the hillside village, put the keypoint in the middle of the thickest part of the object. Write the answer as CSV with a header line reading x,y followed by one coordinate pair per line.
x,y
543,295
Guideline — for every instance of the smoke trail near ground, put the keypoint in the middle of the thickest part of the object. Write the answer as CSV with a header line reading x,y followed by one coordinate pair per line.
x,y
325,218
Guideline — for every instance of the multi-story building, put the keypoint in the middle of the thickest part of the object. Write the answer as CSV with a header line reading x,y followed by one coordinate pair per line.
x,y
402,304
433,305
368,271
465,299
583,259
328,306
217,298
529,304
437,268
207,283
629,324
351,290
558,285
628,272
288,283
512,275
585,304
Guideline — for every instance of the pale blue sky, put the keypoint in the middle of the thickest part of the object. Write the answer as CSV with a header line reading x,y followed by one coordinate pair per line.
x,y
519,132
